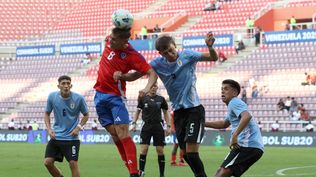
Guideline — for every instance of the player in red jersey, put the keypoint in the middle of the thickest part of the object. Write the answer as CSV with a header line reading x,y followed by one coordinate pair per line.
x,y
118,58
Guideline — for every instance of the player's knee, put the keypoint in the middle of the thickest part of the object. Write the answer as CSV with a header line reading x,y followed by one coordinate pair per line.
x,y
115,138
48,162
217,173
122,131
192,147
144,150
73,164
223,172
160,153
113,134
111,130
159,150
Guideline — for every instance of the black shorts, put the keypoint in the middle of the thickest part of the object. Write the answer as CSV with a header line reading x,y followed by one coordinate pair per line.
x,y
58,149
189,124
153,130
239,160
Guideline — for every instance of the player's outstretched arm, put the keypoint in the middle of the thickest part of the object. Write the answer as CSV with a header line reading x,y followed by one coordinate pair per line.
x,y
152,79
220,124
117,75
211,55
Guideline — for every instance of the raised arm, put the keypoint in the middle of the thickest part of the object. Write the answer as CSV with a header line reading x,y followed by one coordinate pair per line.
x,y
211,55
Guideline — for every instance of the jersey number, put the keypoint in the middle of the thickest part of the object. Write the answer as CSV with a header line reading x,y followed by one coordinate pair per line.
x,y
73,148
111,55
191,127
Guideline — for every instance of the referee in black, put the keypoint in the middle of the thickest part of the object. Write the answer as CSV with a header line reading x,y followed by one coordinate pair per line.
x,y
153,126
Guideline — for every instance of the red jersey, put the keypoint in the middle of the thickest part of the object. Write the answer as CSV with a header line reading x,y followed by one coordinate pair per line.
x,y
118,60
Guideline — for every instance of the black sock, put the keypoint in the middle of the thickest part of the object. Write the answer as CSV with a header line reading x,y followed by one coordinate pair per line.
x,y
196,164
161,162
142,162
188,162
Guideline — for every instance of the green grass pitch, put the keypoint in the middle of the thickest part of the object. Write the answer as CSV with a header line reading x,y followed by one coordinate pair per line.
x,y
26,160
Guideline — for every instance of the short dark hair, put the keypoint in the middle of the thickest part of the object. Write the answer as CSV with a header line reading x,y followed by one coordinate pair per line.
x,y
63,77
123,33
233,84
163,42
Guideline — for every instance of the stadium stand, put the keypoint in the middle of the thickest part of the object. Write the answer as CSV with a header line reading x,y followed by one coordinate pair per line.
x,y
25,19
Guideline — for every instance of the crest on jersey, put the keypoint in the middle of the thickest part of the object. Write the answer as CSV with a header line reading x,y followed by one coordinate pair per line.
x,y
72,105
179,62
123,55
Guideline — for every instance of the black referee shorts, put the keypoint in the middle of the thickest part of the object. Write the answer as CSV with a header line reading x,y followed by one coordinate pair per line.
x,y
153,130
189,124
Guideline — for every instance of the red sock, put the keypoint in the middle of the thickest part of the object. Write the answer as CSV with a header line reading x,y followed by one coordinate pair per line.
x,y
181,156
130,151
173,158
121,150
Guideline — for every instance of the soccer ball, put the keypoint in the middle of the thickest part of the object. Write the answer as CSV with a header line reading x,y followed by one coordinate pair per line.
x,y
122,18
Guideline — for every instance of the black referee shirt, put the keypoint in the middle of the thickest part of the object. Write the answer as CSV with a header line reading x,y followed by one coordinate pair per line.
x,y
151,108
